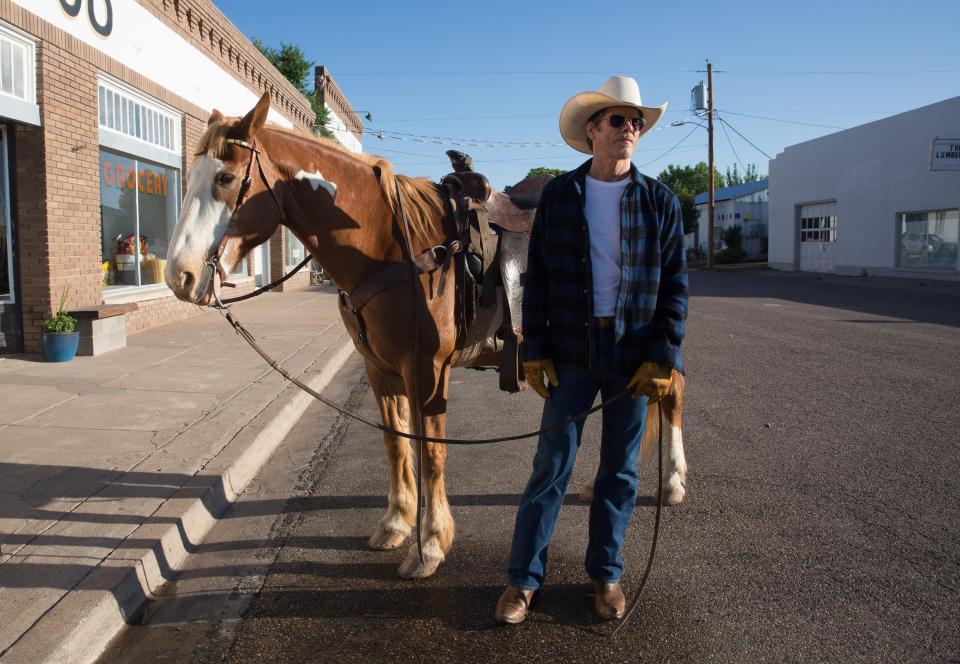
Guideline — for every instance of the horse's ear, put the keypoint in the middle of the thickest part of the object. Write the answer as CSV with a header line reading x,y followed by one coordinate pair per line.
x,y
215,117
255,119
377,172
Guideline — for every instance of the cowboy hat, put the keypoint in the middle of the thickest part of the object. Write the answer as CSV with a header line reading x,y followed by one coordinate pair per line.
x,y
617,91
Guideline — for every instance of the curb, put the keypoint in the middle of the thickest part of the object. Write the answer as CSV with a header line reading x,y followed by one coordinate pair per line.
x,y
82,624
739,267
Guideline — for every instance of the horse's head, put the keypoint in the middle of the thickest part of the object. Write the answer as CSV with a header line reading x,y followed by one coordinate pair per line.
x,y
218,216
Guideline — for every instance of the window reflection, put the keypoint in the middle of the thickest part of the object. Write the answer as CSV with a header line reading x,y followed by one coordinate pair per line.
x,y
138,208
928,240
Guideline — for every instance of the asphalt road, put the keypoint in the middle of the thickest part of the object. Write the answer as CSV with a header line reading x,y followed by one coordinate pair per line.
x,y
821,523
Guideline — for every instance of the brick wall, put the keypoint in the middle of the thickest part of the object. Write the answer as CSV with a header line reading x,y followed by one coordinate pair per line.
x,y
29,190
278,268
56,166
72,156
151,313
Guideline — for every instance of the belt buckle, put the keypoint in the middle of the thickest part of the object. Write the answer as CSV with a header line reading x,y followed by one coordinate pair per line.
x,y
603,322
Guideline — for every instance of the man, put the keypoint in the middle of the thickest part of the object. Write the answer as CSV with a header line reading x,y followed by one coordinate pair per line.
x,y
604,307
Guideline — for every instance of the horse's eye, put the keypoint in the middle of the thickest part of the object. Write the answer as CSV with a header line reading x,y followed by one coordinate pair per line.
x,y
225,179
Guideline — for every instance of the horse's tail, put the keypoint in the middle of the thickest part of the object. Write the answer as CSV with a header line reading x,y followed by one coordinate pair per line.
x,y
672,405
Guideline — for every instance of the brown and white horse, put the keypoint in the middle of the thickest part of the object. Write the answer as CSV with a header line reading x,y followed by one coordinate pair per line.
x,y
344,208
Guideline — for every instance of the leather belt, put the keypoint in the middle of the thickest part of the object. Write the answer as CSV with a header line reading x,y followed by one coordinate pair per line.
x,y
603,322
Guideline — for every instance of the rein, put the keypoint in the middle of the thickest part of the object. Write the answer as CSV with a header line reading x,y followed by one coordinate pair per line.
x,y
222,306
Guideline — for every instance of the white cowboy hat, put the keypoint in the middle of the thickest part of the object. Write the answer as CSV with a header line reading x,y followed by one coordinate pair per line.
x,y
617,91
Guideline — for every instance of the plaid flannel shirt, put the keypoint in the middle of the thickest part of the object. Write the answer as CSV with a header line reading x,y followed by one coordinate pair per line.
x,y
558,287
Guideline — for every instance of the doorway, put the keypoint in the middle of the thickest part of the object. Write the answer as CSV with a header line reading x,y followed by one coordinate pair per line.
x,y
11,331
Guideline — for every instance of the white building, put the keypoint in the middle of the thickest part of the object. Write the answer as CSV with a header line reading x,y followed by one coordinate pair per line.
x,y
881,198
744,205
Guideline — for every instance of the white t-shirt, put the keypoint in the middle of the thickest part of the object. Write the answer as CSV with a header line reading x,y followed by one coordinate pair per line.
x,y
603,219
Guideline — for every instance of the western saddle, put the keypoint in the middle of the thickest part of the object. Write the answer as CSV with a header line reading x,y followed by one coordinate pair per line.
x,y
494,227
489,257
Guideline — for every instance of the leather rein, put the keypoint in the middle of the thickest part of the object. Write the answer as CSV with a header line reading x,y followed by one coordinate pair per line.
x,y
392,275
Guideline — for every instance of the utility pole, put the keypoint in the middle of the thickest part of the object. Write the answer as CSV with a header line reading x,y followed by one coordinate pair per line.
x,y
710,164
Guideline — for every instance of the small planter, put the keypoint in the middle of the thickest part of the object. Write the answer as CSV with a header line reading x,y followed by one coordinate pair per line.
x,y
60,347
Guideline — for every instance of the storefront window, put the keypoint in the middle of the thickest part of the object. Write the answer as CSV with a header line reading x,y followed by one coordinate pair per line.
x,y
293,249
138,206
928,240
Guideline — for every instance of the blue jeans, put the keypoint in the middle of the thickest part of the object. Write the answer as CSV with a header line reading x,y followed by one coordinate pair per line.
x,y
615,488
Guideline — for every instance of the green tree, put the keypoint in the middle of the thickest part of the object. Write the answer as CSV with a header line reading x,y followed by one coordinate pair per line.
x,y
540,170
735,177
291,61
733,252
686,182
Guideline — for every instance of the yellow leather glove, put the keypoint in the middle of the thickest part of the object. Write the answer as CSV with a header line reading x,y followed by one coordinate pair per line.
x,y
653,380
533,371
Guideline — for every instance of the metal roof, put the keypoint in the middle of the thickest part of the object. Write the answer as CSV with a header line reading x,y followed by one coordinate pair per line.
x,y
734,192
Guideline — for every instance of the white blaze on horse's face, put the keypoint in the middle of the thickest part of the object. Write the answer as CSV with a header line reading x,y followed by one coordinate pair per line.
x,y
317,180
203,221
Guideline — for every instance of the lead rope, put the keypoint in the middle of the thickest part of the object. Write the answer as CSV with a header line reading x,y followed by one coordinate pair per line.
x,y
656,524
249,338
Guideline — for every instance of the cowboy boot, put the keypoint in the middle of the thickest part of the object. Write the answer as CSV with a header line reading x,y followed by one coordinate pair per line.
x,y
608,600
513,605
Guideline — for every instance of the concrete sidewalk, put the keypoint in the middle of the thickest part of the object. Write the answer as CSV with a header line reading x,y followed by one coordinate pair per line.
x,y
113,468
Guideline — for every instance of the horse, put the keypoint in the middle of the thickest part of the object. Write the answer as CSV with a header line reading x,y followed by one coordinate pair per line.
x,y
348,210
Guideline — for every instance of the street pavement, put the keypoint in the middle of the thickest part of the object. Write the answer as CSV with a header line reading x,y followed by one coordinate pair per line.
x,y
113,468
820,522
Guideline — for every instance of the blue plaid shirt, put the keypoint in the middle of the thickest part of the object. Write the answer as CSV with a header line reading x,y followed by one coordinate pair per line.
x,y
558,287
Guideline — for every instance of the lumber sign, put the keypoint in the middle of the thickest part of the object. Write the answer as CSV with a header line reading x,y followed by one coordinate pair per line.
x,y
945,154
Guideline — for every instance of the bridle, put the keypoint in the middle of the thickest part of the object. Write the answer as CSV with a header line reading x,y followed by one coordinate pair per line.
x,y
214,259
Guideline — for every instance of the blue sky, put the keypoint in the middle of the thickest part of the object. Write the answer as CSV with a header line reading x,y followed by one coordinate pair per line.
x,y
836,64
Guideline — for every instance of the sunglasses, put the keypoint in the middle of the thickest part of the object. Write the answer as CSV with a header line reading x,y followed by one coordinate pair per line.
x,y
616,121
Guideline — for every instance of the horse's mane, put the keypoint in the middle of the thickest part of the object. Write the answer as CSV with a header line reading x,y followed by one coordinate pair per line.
x,y
421,197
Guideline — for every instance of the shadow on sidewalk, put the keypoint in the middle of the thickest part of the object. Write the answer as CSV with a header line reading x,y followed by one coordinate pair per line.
x,y
42,499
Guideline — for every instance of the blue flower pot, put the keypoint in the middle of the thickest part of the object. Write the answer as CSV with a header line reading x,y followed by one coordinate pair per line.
x,y
60,347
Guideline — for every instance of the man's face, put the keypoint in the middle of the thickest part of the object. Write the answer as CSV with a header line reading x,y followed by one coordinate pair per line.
x,y
614,143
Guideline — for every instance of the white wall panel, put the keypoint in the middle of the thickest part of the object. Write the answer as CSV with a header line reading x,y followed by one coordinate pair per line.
x,y
142,42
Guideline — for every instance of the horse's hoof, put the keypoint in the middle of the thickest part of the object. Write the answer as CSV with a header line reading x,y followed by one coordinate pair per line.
x,y
386,540
586,493
412,568
672,496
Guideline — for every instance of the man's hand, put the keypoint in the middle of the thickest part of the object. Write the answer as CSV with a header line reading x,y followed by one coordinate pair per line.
x,y
533,371
653,380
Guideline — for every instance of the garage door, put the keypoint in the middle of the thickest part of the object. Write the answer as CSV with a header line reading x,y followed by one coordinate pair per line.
x,y
818,237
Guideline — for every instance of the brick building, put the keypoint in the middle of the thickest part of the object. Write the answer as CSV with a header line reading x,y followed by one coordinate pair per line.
x,y
101,104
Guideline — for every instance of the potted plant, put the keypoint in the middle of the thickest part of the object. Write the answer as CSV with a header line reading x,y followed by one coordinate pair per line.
x,y
60,336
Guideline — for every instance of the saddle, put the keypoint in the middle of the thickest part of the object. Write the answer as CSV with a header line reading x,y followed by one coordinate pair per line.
x,y
486,260
494,228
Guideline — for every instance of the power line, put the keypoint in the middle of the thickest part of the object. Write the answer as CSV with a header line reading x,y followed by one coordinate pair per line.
x,y
844,71
743,137
554,115
796,122
384,134
840,72
673,148
476,117
509,73
805,110
725,133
